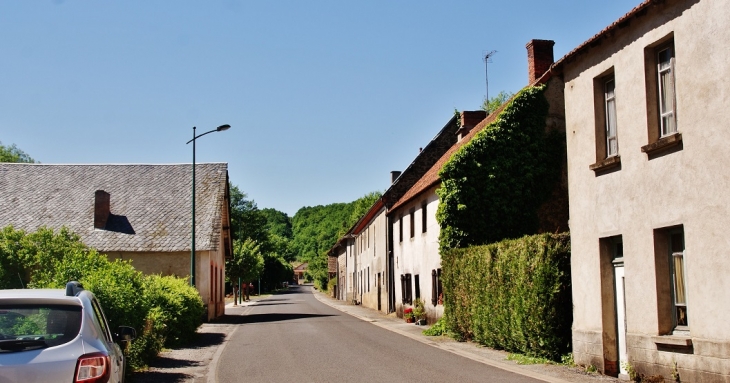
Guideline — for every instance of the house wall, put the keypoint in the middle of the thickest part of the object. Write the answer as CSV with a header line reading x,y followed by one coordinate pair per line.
x,y
173,263
209,272
370,248
685,187
418,255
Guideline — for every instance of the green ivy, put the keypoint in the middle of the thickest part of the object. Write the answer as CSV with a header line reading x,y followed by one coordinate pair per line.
x,y
492,186
513,295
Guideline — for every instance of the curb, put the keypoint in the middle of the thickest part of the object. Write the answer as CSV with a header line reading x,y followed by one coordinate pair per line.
x,y
443,346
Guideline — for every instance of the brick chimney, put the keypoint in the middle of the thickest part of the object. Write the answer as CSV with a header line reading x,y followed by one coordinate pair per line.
x,y
469,119
539,58
101,209
394,176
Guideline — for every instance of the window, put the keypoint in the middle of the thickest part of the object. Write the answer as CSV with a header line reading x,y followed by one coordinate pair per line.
x,y
400,229
437,290
606,122
676,246
418,286
424,217
405,289
609,93
99,314
672,300
665,70
54,324
413,222
368,278
661,105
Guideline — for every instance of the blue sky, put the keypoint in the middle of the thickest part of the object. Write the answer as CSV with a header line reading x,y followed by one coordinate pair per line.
x,y
325,98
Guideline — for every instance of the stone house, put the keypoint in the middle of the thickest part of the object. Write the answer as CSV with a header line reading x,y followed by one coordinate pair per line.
x,y
648,191
140,213
415,229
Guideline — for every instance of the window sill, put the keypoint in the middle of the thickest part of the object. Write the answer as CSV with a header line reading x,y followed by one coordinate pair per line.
x,y
673,340
662,144
607,164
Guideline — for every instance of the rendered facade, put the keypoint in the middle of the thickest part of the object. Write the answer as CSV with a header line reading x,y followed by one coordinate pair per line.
x,y
648,192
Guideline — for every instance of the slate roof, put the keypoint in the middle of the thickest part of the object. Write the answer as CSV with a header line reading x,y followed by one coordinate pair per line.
x,y
150,205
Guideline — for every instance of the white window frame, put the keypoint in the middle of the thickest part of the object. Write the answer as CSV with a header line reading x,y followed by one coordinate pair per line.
x,y
666,97
609,94
675,258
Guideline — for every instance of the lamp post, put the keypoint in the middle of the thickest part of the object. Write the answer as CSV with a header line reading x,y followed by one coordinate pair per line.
x,y
192,250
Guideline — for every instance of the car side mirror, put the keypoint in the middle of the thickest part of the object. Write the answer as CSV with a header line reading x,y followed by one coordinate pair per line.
x,y
125,334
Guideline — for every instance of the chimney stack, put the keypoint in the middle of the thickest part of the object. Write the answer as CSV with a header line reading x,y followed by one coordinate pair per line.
x,y
469,119
539,58
394,176
101,209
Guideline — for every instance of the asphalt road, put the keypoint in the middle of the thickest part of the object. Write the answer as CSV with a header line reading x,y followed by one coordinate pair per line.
x,y
292,337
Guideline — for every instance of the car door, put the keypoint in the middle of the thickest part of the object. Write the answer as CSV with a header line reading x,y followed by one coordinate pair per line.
x,y
116,357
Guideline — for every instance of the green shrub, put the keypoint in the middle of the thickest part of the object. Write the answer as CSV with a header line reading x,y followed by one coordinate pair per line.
x,y
149,342
163,310
513,295
332,285
179,306
120,290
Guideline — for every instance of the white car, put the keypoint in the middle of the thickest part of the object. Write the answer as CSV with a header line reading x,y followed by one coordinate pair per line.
x,y
58,336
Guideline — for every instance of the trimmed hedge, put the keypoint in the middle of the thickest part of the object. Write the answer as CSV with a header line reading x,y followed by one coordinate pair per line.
x,y
180,307
513,295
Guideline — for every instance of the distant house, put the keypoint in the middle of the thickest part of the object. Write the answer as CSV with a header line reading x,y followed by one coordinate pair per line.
x,y
299,272
365,257
646,101
140,213
341,253
370,247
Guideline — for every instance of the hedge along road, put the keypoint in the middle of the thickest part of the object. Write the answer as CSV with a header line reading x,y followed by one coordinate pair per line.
x,y
294,337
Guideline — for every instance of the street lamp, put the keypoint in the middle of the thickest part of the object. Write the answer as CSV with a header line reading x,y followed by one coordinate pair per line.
x,y
192,250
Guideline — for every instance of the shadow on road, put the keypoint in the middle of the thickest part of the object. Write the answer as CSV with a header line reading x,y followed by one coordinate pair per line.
x,y
276,317
274,304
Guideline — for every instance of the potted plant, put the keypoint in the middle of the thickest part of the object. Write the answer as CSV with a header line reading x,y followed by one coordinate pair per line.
x,y
408,315
419,311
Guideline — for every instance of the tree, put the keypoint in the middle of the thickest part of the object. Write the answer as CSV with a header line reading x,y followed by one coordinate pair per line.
x,y
247,221
495,102
247,262
13,154
317,229
277,223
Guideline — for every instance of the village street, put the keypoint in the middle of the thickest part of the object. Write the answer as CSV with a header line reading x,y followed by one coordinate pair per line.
x,y
295,336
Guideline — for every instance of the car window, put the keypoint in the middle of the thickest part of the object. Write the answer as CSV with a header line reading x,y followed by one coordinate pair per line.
x,y
101,319
33,326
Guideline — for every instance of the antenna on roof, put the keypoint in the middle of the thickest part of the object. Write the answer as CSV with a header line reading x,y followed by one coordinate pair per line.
x,y
487,60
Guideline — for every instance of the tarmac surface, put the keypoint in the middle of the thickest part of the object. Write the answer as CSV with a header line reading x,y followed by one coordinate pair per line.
x,y
198,363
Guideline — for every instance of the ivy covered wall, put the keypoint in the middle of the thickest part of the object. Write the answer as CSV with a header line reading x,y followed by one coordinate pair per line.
x,y
493,186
